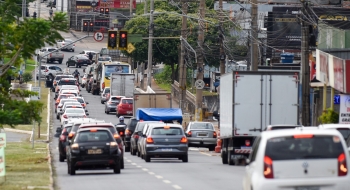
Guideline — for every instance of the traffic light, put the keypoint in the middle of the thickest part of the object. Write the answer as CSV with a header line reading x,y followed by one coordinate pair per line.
x,y
112,39
102,10
85,26
91,26
123,40
106,11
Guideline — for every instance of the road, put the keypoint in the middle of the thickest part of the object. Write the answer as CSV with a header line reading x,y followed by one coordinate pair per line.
x,y
203,171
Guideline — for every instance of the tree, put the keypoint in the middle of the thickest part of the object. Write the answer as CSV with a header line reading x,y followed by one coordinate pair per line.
x,y
24,37
27,77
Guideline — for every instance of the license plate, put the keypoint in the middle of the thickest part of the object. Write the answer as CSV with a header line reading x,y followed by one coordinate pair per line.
x,y
167,149
94,151
202,134
307,188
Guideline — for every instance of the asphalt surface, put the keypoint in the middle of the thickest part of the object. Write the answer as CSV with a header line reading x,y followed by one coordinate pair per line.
x,y
203,171
15,137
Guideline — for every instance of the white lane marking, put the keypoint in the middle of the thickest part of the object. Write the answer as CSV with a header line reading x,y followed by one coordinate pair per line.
x,y
144,169
128,160
206,154
151,173
159,177
133,164
139,166
166,181
177,187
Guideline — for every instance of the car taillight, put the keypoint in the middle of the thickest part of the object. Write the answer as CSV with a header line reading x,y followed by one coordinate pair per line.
x,y
80,60
46,70
65,116
75,146
136,136
50,54
183,140
84,116
268,171
116,136
58,101
342,167
189,134
113,144
83,105
121,133
149,140
247,142
214,134
62,44
70,135
103,85
127,131
109,102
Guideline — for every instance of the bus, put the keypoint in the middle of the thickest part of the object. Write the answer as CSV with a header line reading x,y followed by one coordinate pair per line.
x,y
114,67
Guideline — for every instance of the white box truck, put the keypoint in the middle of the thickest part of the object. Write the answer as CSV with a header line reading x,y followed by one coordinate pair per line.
x,y
249,102
122,85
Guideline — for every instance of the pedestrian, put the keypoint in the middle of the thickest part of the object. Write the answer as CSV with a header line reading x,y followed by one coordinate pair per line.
x,y
51,12
90,56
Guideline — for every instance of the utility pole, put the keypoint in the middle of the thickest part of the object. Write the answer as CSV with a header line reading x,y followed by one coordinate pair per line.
x,y
38,4
200,70
145,7
182,70
24,9
131,4
221,37
150,44
62,5
254,36
305,69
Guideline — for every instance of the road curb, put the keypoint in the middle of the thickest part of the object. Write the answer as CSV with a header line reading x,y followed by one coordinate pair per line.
x,y
51,185
18,131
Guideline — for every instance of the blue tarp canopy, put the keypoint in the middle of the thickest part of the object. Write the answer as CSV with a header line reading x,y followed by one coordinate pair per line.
x,y
159,114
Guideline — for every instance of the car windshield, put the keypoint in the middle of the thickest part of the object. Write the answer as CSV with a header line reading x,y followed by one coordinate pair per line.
x,y
72,104
202,126
140,125
107,90
66,101
75,111
66,82
63,96
104,58
132,124
310,147
166,131
74,93
94,136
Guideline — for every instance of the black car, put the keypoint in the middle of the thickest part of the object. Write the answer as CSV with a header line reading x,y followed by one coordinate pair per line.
x,y
93,148
78,61
130,128
62,141
136,134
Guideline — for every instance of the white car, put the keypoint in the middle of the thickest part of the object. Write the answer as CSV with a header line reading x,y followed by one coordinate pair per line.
x,y
65,42
86,53
47,70
298,159
73,113
69,105
282,126
69,91
344,129
65,103
61,103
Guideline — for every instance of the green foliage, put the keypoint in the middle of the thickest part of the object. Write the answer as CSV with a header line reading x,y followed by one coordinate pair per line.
x,y
21,39
164,76
329,116
27,77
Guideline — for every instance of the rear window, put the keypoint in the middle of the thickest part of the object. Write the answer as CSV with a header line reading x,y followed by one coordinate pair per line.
x,y
166,131
110,128
132,124
140,126
68,129
345,132
202,126
63,76
80,100
97,136
67,82
127,101
63,96
75,111
290,148
51,50
104,58
107,90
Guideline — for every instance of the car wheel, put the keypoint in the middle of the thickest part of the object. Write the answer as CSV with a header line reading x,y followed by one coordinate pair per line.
x,y
127,149
79,66
61,158
60,62
117,114
71,169
107,112
147,158
229,159
224,157
138,154
185,158
116,168
53,90
102,102
211,147
122,163
76,65
57,117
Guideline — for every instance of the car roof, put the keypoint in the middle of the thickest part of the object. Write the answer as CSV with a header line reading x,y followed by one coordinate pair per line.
x,y
69,86
81,108
92,121
77,98
289,132
88,129
164,124
97,124
334,126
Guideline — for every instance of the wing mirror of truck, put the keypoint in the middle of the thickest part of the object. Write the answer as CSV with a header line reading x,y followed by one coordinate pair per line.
x,y
216,115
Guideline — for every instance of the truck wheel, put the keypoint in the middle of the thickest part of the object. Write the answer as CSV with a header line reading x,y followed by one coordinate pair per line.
x,y
230,161
76,65
47,60
60,61
223,157
147,158
185,158
211,147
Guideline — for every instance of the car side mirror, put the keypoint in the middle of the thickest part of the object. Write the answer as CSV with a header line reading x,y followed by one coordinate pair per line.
x,y
80,94
87,102
144,136
86,110
87,113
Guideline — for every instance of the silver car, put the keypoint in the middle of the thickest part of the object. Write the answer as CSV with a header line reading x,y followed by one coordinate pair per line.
x,y
104,95
111,104
201,134
165,141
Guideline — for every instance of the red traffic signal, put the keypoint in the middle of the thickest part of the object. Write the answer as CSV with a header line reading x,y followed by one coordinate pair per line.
x,y
102,10
123,35
112,35
85,23
106,10
91,24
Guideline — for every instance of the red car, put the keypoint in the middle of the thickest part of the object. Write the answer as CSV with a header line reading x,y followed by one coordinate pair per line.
x,y
125,107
